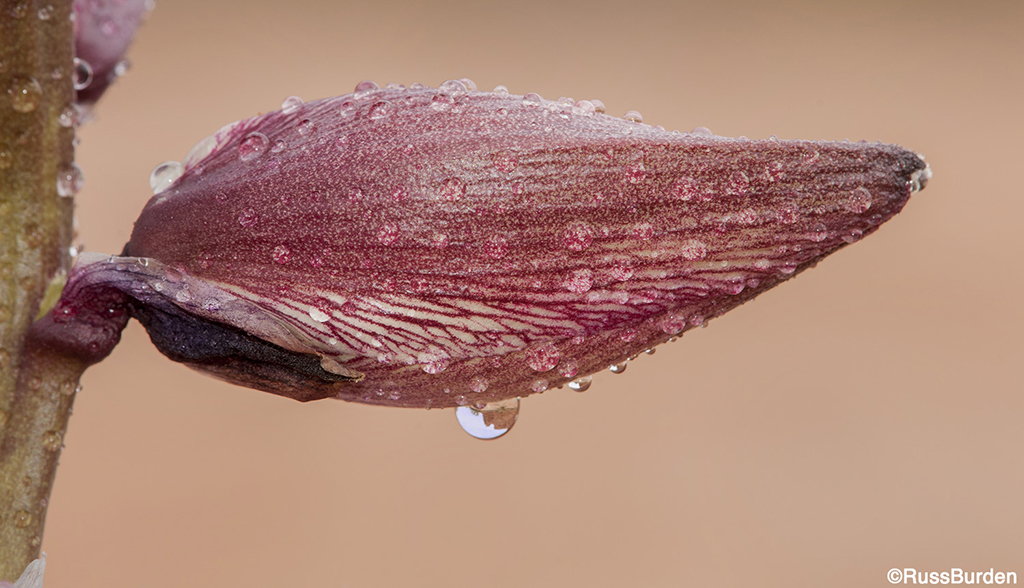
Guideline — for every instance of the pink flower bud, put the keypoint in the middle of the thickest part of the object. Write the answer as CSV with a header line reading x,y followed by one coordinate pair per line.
x,y
103,31
423,247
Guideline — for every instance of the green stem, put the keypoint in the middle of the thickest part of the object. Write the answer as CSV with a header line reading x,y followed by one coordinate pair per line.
x,y
36,382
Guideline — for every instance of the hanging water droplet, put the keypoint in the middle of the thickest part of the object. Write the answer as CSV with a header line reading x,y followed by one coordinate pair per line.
x,y
651,351
291,104
618,368
81,74
164,175
252,145
25,93
539,386
581,384
69,180
491,421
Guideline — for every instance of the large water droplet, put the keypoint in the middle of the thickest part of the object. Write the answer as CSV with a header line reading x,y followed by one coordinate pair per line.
x,y
318,315
164,175
25,93
543,358
491,421
380,110
581,384
539,386
633,116
453,87
365,87
618,368
859,201
81,74
291,104
69,180
251,147
532,99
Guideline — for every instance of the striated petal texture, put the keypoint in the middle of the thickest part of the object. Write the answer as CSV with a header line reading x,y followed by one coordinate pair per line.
x,y
103,31
423,247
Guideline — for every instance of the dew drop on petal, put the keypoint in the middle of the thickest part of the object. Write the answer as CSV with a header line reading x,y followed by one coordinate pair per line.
x,y
478,385
164,175
52,441
500,89
598,106
491,421
305,127
25,94
539,386
633,116
247,218
569,369
628,335
452,189
584,108
580,281
318,315
578,236
291,104
581,384
380,110
366,87
282,254
69,180
738,183
859,201
618,368
532,99
81,74
693,250
543,358
252,146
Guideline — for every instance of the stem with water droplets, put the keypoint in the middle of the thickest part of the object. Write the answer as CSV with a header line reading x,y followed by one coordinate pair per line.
x,y
36,382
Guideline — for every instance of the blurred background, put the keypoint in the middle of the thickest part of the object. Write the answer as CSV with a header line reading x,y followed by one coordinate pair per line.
x,y
864,416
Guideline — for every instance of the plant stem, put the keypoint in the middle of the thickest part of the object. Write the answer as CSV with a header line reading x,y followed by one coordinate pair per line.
x,y
37,382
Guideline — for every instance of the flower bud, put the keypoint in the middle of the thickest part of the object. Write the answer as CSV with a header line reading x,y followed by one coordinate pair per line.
x,y
423,247
103,31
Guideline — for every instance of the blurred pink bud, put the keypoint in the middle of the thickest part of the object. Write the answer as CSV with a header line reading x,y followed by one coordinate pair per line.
x,y
422,247
103,31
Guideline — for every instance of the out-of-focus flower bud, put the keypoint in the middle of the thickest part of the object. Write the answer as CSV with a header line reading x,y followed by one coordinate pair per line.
x,y
442,247
103,31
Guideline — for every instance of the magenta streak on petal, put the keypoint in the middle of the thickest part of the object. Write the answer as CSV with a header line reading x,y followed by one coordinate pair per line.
x,y
520,228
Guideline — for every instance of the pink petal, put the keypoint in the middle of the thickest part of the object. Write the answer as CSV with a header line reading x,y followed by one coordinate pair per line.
x,y
103,31
444,247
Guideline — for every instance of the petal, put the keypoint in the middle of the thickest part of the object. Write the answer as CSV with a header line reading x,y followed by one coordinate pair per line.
x,y
448,246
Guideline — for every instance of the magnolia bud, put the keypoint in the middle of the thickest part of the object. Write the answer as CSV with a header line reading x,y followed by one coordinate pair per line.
x,y
423,247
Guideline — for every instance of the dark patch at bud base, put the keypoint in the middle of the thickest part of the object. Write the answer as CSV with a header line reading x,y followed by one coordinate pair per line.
x,y
235,356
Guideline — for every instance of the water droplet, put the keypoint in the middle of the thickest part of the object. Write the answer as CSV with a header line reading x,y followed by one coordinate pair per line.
x,y
252,146
580,281
633,116
673,324
453,87
539,386
578,236
569,369
738,183
318,315
505,161
496,247
25,93
452,189
581,384
919,179
45,13
291,104
651,351
247,218
380,110
478,385
282,254
183,296
20,10
500,90
71,116
628,335
819,232
164,175
491,421
439,240
693,250
365,87
584,108
436,366
388,234
636,172
853,235
618,368
52,441
6,158
305,127
543,358
622,273
532,99
69,180
122,67
22,518
859,201
81,75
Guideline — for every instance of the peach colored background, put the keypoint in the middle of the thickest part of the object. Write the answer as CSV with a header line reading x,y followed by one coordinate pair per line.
x,y
864,416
